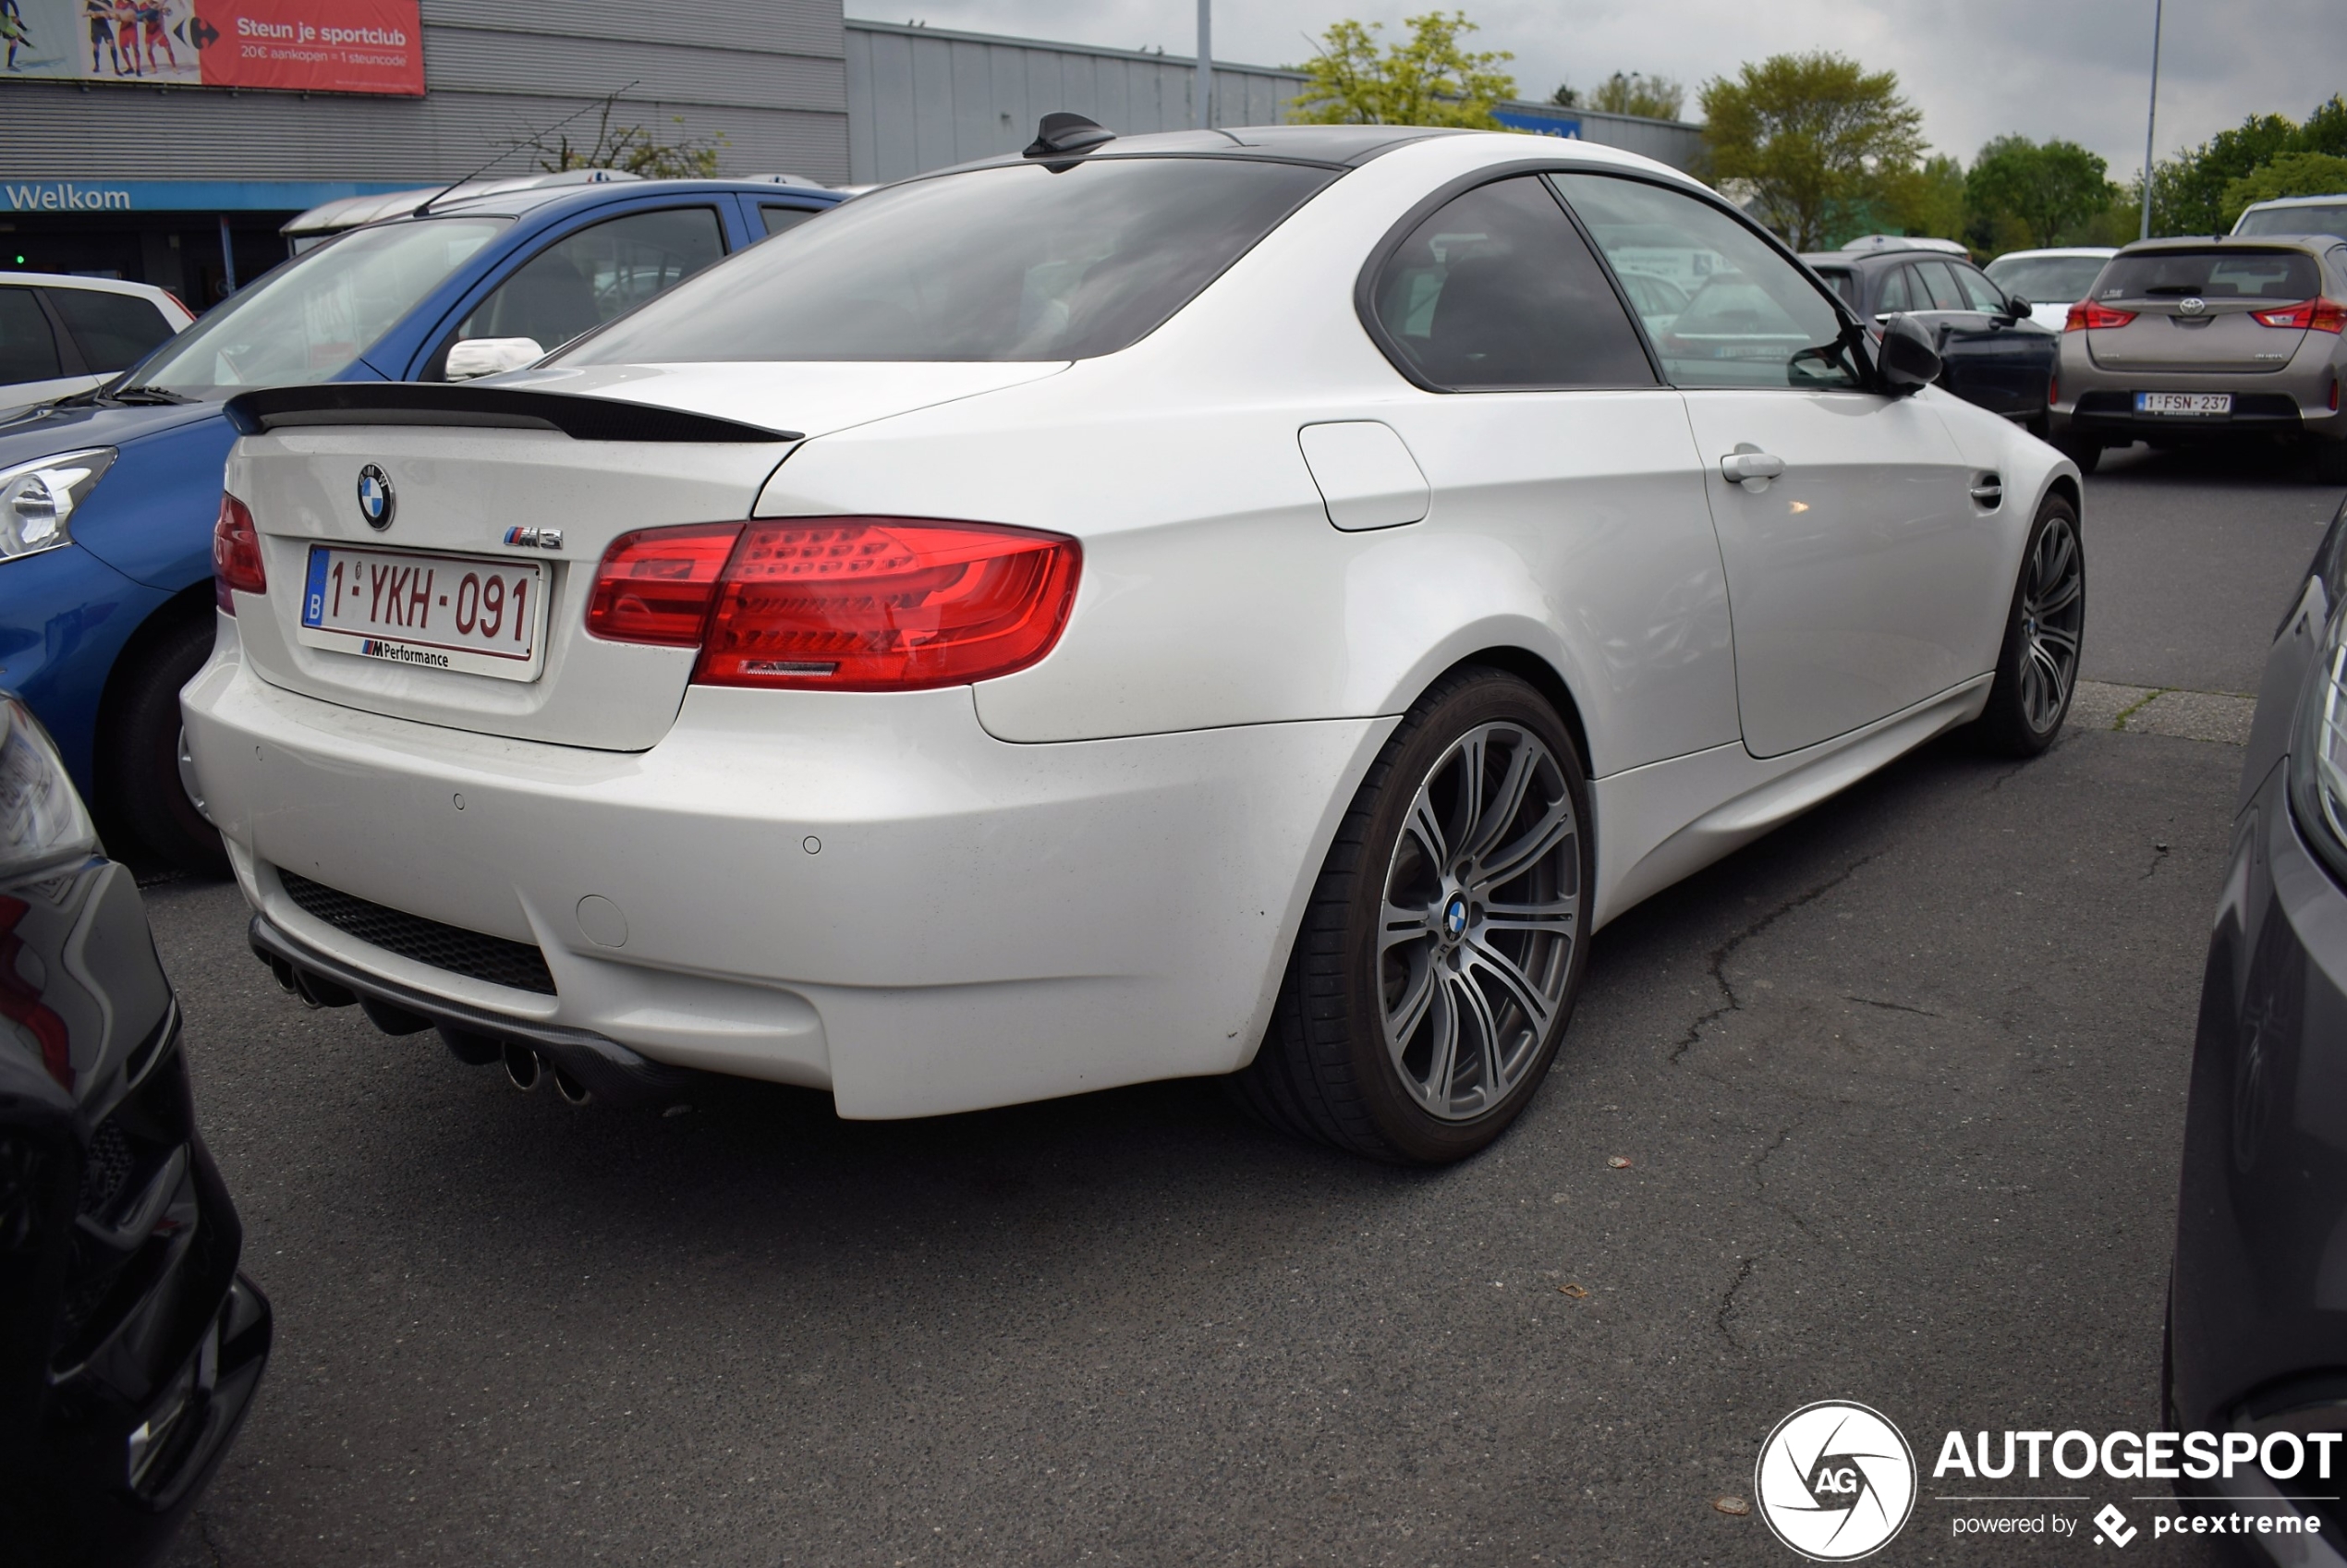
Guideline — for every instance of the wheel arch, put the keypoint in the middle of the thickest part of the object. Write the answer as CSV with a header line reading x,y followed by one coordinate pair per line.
x,y
163,621
1541,674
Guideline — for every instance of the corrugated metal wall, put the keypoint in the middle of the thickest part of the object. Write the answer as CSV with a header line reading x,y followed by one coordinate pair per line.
x,y
920,98
768,75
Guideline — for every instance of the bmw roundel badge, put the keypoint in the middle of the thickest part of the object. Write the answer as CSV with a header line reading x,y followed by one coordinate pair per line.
x,y
375,498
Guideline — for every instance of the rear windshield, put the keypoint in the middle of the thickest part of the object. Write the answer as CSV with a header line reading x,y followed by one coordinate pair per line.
x,y
2228,273
2047,280
1843,280
1010,263
2329,217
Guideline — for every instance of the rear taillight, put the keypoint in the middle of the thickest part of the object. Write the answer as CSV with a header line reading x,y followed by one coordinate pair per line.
x,y
657,585
841,604
2307,315
2087,315
2053,390
236,554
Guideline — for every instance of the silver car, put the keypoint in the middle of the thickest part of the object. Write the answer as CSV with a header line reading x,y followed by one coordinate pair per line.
x,y
2202,340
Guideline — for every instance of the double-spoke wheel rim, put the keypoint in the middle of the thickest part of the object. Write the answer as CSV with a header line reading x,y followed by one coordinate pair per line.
x,y
2053,605
1481,914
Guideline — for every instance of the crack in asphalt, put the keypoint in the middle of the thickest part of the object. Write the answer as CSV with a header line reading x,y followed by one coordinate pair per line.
x,y
1728,1304
1717,966
1745,1266
1896,1007
2158,856
211,1548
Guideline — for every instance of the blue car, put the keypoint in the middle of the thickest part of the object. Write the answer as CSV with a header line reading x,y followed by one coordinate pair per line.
x,y
107,500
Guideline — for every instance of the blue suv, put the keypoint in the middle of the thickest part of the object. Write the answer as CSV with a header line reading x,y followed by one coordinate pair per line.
x,y
107,500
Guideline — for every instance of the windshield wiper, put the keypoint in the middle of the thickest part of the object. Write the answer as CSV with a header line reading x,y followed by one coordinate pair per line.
x,y
147,396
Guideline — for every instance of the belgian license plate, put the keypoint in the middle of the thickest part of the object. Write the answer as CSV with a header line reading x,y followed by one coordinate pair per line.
x,y
2183,402
430,612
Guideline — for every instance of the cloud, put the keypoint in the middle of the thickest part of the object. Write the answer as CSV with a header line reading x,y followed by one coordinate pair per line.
x,y
2073,69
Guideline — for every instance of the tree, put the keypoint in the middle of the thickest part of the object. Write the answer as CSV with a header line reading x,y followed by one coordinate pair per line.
x,y
1648,97
632,147
1930,200
2047,189
2188,191
1809,139
1428,79
2292,174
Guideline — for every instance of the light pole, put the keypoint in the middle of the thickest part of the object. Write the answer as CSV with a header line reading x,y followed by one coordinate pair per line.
x,y
2151,116
1204,105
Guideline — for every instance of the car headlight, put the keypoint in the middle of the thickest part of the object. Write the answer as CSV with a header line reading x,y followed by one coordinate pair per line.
x,y
41,818
38,498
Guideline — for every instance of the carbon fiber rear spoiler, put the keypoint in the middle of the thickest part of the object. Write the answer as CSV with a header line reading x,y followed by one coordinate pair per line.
x,y
495,407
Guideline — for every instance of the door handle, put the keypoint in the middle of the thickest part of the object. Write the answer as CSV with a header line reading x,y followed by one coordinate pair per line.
x,y
1751,468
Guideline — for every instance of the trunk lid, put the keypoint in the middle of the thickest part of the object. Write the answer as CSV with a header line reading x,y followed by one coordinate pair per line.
x,y
468,492
2225,337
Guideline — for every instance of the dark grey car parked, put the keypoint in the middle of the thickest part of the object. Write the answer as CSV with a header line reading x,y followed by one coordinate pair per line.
x,y
2258,1305
1994,354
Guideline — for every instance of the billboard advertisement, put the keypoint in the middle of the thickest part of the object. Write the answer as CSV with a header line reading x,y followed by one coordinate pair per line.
x,y
372,46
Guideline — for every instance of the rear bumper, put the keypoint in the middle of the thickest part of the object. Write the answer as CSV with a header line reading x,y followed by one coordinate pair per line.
x,y
861,893
2287,405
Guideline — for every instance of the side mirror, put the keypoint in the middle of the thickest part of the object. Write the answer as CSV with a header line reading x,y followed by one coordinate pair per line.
x,y
1907,357
487,355
2018,307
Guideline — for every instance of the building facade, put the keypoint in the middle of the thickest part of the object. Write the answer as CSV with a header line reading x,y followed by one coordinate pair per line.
x,y
158,177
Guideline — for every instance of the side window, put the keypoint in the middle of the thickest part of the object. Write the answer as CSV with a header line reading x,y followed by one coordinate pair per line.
x,y
28,348
1936,277
1496,290
780,218
1752,319
115,331
1978,292
1895,295
585,279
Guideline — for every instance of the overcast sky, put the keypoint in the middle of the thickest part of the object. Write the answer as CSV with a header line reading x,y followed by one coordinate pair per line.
x,y
1977,68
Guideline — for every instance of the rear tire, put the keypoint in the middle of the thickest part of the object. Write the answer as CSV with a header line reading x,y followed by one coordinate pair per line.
x,y
2045,632
1443,949
140,762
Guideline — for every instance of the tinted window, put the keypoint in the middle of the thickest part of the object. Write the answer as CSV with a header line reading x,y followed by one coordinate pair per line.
x,y
28,348
2046,280
1657,300
1495,289
1843,280
780,218
1756,319
1979,294
1939,283
1009,263
2231,273
313,316
585,279
114,330
1896,296
2327,218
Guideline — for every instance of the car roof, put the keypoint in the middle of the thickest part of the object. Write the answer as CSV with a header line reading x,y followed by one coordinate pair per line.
x,y
68,280
2312,245
2059,250
511,198
1340,146
1860,258
2296,201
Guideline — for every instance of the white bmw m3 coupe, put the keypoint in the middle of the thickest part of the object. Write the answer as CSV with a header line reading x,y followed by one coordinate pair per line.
x,y
1241,603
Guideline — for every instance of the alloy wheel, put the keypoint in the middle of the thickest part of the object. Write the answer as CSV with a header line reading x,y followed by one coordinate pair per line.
x,y
1481,910
2052,614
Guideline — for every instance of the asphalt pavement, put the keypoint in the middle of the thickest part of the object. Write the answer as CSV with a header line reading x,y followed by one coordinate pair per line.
x,y
1899,1092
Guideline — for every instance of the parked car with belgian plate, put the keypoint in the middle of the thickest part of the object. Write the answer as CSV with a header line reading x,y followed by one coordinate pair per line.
x,y
2200,341
1254,613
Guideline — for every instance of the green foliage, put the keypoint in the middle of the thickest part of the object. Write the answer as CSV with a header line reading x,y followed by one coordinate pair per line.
x,y
633,149
1648,97
2188,191
1428,79
1811,140
1930,200
2292,174
2047,189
